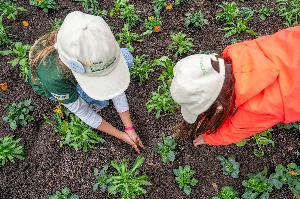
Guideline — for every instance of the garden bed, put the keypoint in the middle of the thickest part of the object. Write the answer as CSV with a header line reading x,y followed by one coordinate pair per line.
x,y
48,168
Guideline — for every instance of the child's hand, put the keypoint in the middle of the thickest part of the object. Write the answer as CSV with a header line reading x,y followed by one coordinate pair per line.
x,y
125,137
134,137
199,140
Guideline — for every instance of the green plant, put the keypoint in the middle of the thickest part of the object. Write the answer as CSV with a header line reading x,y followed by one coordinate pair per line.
x,y
5,37
18,113
168,65
179,2
264,12
142,68
230,167
167,149
152,24
65,193
262,139
195,19
184,178
180,43
118,5
10,9
257,186
21,52
289,176
227,192
126,37
235,20
46,5
92,7
294,125
161,101
10,150
56,24
122,180
289,10
75,133
128,14
158,6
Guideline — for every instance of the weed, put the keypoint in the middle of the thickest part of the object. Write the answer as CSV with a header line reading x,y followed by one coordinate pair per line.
x,y
18,113
74,132
167,149
142,68
21,52
65,193
10,150
10,10
227,192
184,178
126,37
264,12
45,5
180,43
122,180
128,14
289,176
161,101
230,167
5,37
289,10
262,139
195,19
235,19
257,186
56,24
152,24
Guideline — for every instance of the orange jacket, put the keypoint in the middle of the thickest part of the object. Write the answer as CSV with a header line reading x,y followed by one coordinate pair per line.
x,y
267,85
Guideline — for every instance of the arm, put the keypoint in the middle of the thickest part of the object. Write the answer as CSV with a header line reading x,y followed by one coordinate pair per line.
x,y
241,125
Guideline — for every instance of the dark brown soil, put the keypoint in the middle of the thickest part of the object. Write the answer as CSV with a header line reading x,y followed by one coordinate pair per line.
x,y
48,167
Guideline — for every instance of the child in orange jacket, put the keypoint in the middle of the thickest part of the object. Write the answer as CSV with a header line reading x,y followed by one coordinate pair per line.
x,y
252,87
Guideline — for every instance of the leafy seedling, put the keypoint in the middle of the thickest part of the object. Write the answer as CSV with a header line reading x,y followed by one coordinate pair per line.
x,y
141,69
10,9
230,167
65,193
264,12
168,65
128,14
126,37
122,180
118,5
167,149
56,24
5,36
10,150
289,10
184,178
293,125
227,192
195,19
92,7
181,44
45,5
19,114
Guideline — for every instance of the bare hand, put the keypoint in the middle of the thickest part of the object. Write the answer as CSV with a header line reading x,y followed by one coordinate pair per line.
x,y
135,138
199,140
125,137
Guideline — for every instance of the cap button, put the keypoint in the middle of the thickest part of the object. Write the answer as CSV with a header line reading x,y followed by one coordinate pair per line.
x,y
84,27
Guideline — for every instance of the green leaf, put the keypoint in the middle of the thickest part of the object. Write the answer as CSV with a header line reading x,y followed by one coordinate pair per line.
x,y
187,190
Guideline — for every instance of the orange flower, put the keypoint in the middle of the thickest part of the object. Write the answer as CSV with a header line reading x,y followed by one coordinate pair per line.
x,y
4,86
169,7
157,28
25,23
293,172
59,111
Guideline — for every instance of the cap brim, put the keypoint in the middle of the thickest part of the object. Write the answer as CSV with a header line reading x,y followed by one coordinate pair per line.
x,y
108,86
188,116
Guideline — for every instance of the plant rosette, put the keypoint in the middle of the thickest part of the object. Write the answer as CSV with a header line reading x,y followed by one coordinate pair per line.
x,y
230,166
184,178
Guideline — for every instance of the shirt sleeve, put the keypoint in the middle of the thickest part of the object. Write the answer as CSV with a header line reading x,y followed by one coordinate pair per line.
x,y
120,103
81,109
240,126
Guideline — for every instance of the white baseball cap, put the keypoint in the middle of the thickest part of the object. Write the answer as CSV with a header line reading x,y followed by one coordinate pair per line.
x,y
87,46
196,84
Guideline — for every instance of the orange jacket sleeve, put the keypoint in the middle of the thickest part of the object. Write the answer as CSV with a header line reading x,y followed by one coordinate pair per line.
x,y
241,125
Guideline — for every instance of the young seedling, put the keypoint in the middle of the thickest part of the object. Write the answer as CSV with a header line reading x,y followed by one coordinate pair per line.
x,y
152,24
118,5
167,149
168,65
126,37
56,24
184,178
142,68
289,176
45,5
195,19
230,167
122,180
264,12
262,139
5,36
18,114
158,6
161,101
74,132
92,7
227,192
257,186
10,10
10,150
128,14
21,52
181,44
289,10
65,193
294,125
